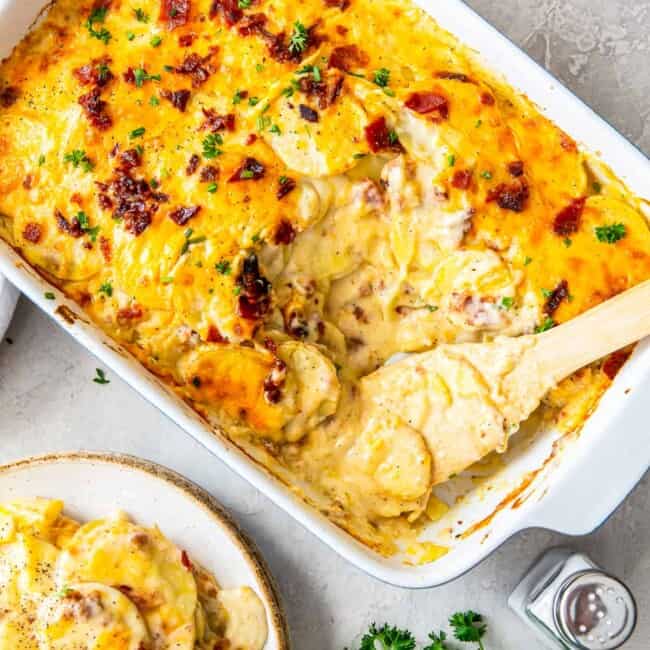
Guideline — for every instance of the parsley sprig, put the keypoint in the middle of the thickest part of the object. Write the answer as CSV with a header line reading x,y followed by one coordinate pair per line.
x,y
468,627
101,377
611,233
387,638
98,15
299,38
84,224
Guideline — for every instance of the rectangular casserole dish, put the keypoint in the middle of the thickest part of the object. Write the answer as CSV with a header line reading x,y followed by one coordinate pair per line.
x,y
570,488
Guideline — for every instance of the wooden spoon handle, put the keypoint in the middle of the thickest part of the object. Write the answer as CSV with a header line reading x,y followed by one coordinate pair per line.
x,y
608,327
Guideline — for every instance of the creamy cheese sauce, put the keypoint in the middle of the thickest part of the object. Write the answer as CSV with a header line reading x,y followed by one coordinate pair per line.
x,y
264,204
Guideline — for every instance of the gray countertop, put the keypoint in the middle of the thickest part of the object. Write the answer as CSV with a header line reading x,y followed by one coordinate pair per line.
x,y
48,402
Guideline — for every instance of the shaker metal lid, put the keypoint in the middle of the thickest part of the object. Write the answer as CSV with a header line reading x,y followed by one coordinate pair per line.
x,y
594,611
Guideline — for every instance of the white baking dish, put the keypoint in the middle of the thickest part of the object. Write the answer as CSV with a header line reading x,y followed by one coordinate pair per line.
x,y
576,489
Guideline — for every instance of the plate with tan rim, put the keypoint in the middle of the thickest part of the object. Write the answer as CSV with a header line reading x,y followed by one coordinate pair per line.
x,y
94,485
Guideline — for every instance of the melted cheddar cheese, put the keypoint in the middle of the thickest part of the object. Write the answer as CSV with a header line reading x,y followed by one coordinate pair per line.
x,y
264,201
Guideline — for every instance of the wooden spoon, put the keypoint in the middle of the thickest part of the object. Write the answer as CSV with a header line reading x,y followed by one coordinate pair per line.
x,y
467,399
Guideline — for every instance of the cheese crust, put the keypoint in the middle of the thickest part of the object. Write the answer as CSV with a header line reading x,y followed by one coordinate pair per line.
x,y
264,201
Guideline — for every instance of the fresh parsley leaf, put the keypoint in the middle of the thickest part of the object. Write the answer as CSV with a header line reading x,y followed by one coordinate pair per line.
x,y
236,98
299,38
598,188
141,75
141,15
478,123
223,267
101,377
41,160
78,158
567,241
547,293
154,101
84,224
155,41
130,36
387,638
106,288
382,77
438,641
98,15
486,174
259,67
546,325
507,302
468,627
610,234
212,188
527,260
253,101
451,160
244,4
137,133
432,308
49,295
211,146
275,129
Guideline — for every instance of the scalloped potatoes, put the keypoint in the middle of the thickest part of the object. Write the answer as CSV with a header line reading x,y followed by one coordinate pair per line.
x,y
111,584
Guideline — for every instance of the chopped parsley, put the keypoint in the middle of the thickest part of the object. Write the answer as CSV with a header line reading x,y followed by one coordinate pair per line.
x,y
247,173
237,290
387,638
487,175
98,15
546,325
478,123
547,293
168,279
101,377
130,36
256,238
244,4
567,241
507,302
212,188
78,158
141,15
236,98
84,224
223,267
381,77
299,38
358,156
41,160
313,70
598,188
253,101
275,129
141,75
451,160
393,137
431,308
155,41
610,234
527,260
106,288
137,133
154,101
263,122
211,146
283,180
49,295
259,67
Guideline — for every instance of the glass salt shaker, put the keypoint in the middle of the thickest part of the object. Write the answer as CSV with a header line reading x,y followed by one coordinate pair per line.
x,y
572,604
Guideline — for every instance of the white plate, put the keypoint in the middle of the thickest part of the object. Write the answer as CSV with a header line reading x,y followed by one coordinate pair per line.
x,y
8,299
93,485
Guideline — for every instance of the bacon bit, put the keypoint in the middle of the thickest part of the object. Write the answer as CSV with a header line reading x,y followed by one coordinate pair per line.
x,y
285,233
228,9
342,30
95,73
27,182
615,362
105,248
33,233
250,170
193,165
326,92
175,13
567,220
182,215
338,4
254,299
428,102
178,98
215,336
567,143
214,122
253,24
487,99
209,173
130,313
270,345
462,179
510,197
274,382
379,137
560,293
251,138
129,159
346,57
8,96
286,186
186,40
72,228
95,109
105,202
197,67
453,76
307,113
516,168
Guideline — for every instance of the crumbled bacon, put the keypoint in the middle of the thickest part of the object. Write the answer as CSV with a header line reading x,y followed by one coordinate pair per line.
x,y
228,9
338,4
32,232
510,197
105,202
214,122
568,144
129,159
72,227
178,98
428,102
193,165
274,382
130,313
186,40
615,362
105,248
175,13
209,174
286,186
8,96
250,170
254,298
197,67
307,113
252,24
215,336
251,138
462,179
380,138
453,76
27,182
95,109
327,92
487,99
285,233
560,293
346,57
516,168
95,73
567,220
182,215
